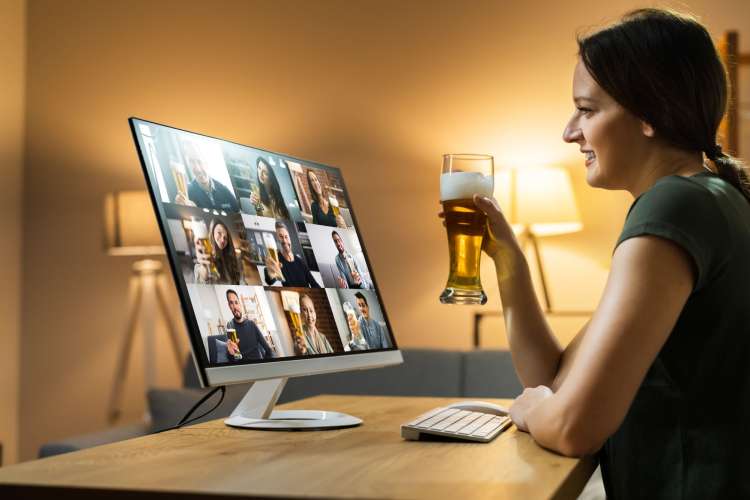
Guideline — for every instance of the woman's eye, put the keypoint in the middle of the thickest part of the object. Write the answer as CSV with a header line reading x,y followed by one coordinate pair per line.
x,y
583,110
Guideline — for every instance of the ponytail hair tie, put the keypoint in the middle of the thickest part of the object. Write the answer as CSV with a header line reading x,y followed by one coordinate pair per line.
x,y
714,152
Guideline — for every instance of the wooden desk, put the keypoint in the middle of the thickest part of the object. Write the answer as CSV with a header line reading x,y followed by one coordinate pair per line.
x,y
370,461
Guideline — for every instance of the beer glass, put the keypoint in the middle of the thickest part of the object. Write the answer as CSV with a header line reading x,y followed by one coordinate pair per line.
x,y
463,176
180,178
273,250
290,304
200,233
232,335
334,205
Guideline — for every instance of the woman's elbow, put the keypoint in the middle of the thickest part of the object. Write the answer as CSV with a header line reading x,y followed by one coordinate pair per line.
x,y
579,440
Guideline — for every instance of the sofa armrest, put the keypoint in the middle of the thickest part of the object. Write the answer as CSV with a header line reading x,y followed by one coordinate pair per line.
x,y
107,436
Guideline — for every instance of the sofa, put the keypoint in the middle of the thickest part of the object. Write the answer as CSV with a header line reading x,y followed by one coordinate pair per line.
x,y
424,372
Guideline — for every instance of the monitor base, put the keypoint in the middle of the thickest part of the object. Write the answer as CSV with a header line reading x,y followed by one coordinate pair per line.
x,y
296,420
255,412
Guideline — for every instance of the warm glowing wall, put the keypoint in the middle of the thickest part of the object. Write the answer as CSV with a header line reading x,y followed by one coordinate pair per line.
x,y
381,89
12,83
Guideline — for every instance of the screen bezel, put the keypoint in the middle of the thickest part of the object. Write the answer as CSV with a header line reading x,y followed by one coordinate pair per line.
x,y
275,367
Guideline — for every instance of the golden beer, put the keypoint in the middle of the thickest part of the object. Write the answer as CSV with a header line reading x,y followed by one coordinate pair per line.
x,y
334,205
463,177
465,226
290,304
273,251
232,335
200,233
180,181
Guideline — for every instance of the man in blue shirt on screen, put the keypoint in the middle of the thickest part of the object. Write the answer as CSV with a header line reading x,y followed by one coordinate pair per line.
x,y
252,345
374,332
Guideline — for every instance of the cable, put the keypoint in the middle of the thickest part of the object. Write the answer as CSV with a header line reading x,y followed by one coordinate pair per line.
x,y
187,420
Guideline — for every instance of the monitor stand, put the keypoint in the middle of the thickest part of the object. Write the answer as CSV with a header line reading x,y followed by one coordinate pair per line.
x,y
255,412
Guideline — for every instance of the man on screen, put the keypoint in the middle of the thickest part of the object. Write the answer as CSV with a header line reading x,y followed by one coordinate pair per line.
x,y
252,345
204,191
289,269
374,333
350,275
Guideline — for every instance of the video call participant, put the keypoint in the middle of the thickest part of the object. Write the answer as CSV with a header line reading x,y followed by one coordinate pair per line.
x,y
374,333
312,342
204,191
357,341
292,268
350,275
271,202
320,207
252,345
224,258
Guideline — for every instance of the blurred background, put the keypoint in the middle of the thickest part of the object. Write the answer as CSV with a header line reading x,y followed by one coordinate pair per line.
x,y
380,89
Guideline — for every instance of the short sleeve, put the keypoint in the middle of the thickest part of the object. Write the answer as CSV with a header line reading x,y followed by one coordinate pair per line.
x,y
686,213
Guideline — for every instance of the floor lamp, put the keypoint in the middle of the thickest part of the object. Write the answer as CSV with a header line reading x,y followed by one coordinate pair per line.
x,y
130,230
541,203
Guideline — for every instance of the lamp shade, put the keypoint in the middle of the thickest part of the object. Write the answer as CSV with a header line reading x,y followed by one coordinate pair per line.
x,y
540,199
130,225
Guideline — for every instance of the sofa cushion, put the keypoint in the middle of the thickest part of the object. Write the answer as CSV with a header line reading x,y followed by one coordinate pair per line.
x,y
490,374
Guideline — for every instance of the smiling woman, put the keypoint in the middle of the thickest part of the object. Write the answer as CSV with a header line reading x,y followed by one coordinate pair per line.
x,y
657,382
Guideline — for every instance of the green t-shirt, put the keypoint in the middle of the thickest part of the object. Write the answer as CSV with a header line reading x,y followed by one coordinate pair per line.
x,y
686,433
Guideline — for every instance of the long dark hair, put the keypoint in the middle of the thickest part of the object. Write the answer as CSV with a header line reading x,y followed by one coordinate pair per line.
x,y
663,67
272,199
314,194
225,258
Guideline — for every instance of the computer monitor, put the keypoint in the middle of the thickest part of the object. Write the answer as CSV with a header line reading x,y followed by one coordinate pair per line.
x,y
270,269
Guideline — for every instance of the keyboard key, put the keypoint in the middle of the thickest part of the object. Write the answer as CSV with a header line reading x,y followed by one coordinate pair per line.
x,y
437,418
483,419
467,420
450,420
425,416
490,426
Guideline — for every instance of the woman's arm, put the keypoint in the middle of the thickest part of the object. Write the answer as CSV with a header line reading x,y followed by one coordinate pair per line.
x,y
535,350
648,286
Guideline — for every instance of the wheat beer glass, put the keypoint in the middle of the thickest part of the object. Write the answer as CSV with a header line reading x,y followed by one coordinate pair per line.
x,y
464,176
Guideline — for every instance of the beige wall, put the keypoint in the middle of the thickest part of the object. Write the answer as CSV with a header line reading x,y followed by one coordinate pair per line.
x,y
12,83
381,89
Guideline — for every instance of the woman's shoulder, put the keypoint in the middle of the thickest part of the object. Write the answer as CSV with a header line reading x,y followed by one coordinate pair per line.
x,y
676,197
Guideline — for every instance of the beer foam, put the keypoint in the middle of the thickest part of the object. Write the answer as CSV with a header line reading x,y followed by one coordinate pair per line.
x,y
463,185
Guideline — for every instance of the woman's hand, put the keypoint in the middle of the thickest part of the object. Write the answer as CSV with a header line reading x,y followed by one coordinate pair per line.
x,y
526,402
340,222
500,234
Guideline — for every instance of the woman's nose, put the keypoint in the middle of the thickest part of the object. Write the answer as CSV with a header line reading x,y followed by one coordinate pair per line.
x,y
571,133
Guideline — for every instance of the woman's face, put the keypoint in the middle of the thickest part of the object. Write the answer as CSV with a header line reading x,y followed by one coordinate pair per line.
x,y
615,143
308,311
315,182
262,173
220,236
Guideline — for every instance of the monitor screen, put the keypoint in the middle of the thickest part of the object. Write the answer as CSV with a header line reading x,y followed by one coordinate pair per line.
x,y
265,251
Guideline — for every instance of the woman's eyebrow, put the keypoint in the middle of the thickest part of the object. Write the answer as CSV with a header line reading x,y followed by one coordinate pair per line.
x,y
583,98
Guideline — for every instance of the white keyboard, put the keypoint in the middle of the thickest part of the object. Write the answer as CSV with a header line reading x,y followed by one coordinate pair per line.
x,y
456,423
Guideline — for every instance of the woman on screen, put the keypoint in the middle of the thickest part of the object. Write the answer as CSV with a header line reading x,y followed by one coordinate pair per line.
x,y
313,341
321,208
221,266
271,202
657,382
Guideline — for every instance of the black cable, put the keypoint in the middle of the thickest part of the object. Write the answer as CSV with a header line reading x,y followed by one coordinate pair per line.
x,y
186,419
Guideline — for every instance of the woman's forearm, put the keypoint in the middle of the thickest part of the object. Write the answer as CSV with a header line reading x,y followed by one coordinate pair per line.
x,y
536,353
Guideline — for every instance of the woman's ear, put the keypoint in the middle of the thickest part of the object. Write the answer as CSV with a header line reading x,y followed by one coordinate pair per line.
x,y
647,129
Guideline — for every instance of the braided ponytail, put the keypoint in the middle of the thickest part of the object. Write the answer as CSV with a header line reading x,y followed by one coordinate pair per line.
x,y
730,169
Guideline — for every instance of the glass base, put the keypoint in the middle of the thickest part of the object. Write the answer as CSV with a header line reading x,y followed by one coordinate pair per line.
x,y
463,296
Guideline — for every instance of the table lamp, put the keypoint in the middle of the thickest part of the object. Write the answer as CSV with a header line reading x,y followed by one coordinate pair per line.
x,y
130,230
540,202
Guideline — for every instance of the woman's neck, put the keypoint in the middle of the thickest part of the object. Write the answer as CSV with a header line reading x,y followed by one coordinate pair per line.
x,y
665,163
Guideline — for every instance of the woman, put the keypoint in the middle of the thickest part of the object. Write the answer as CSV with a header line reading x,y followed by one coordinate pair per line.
x,y
271,202
320,207
313,341
224,258
658,380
